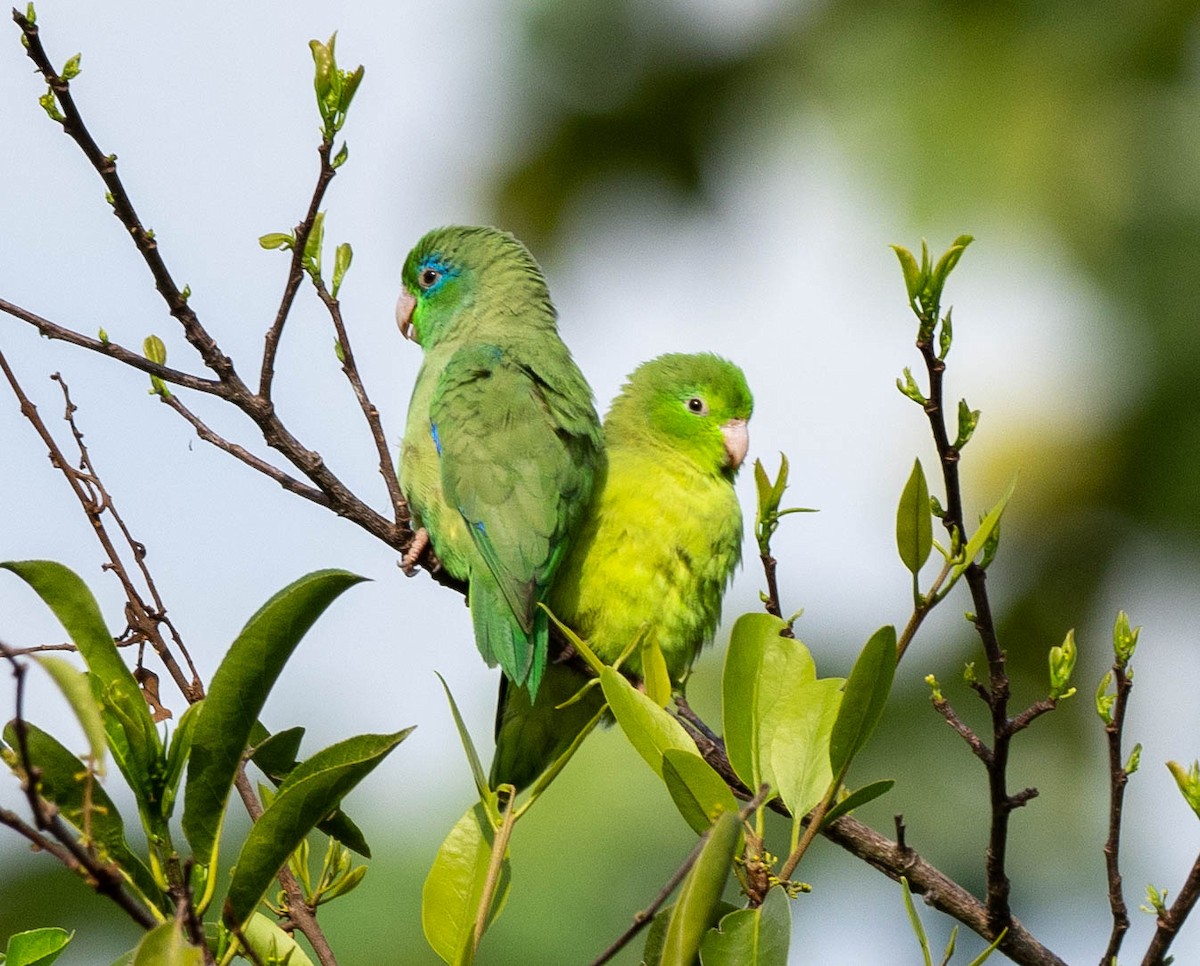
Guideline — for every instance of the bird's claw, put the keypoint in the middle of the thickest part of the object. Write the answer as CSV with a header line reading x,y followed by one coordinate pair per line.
x,y
420,543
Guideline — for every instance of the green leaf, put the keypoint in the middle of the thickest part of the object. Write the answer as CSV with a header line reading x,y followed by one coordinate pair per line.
x,y
656,680
477,772
165,946
656,935
36,947
649,728
276,239
77,690
178,753
915,921
986,528
313,789
858,798
237,694
914,283
796,734
64,782
914,522
947,262
454,887
698,791
760,668
132,736
752,937
154,349
762,486
276,754
700,893
312,246
341,263
71,68
866,693
272,944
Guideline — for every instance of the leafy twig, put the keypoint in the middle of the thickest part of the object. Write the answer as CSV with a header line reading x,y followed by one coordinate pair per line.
x,y
106,879
645,916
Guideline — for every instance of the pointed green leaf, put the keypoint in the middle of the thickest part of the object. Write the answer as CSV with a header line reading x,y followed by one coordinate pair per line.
x,y
760,668
76,688
796,733
73,604
700,893
698,791
762,486
752,937
915,921
272,944
165,946
866,693
986,528
477,772
947,262
36,947
341,264
913,281
656,680
914,521
858,798
454,887
276,754
312,791
656,935
649,728
64,781
178,753
237,694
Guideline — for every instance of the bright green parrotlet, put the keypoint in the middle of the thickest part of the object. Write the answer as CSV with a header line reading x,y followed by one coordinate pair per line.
x,y
502,443
655,553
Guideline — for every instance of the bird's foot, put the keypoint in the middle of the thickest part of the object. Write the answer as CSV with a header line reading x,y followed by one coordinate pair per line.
x,y
566,653
420,543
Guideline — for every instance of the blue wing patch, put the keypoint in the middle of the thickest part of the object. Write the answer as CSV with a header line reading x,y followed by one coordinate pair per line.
x,y
437,443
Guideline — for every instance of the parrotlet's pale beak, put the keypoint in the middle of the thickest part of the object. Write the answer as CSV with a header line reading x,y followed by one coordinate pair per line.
x,y
404,313
736,434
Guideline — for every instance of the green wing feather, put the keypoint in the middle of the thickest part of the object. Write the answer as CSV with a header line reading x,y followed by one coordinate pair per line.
x,y
520,483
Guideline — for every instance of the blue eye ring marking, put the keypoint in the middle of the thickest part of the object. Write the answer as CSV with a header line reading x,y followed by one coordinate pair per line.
x,y
432,273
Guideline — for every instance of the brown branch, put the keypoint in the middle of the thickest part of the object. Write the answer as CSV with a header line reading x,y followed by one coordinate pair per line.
x,y
144,240
303,917
978,748
1117,780
135,360
295,270
891,858
94,499
289,483
1170,922
386,468
998,884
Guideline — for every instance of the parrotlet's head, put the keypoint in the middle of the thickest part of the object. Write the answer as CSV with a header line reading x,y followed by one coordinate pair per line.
x,y
464,279
697,405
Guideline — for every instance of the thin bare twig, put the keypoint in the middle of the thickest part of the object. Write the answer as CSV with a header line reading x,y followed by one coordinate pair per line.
x,y
1117,780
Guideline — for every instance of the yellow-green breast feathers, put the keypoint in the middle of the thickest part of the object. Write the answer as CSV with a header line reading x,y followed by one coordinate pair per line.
x,y
658,546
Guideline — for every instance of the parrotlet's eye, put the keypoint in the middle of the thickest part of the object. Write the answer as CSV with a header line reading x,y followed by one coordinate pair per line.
x,y
428,278
696,405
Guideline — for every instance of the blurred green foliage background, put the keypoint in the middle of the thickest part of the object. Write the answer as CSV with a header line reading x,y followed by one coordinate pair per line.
x,y
1073,124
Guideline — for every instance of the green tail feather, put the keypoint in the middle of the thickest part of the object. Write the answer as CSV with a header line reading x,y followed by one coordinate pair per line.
x,y
531,735
500,637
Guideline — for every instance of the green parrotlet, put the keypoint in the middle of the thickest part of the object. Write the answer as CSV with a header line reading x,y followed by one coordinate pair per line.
x,y
502,442
657,549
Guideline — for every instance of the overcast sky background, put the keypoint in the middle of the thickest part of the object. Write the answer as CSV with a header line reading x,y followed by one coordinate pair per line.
x,y
788,273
